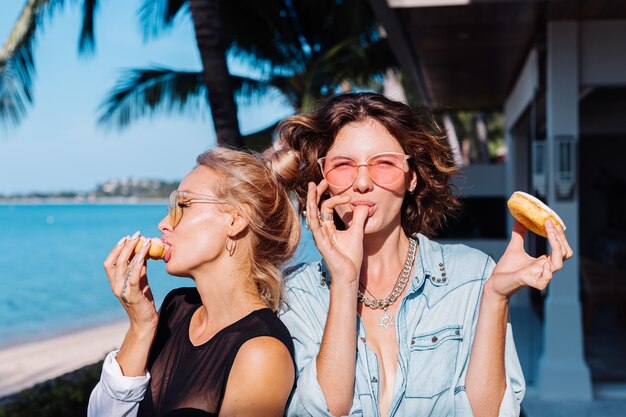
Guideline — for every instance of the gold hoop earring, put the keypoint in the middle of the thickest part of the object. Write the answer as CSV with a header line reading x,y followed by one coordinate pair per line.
x,y
231,245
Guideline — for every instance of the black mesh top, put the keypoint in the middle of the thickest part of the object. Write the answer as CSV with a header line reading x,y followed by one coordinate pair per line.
x,y
188,380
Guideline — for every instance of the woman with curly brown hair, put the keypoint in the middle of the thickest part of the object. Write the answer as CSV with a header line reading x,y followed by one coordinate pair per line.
x,y
391,323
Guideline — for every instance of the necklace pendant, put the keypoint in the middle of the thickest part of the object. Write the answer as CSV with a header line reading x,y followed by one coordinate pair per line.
x,y
386,319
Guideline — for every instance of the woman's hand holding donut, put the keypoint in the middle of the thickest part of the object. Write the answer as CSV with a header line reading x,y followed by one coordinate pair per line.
x,y
341,249
126,271
516,269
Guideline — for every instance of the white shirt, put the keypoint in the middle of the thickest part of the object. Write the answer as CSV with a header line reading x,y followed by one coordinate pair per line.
x,y
116,395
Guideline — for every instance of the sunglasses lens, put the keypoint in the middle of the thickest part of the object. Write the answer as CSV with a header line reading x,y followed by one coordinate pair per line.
x,y
173,209
339,172
386,169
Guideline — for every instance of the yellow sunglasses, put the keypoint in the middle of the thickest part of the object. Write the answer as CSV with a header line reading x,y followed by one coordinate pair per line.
x,y
180,199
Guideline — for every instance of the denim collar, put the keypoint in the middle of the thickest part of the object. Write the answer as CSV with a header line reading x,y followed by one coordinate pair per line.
x,y
430,265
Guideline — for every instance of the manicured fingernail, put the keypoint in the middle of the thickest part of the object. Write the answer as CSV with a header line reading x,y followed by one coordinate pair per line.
x,y
122,240
135,236
145,244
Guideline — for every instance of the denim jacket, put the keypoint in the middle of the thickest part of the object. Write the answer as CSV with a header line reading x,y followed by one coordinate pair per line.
x,y
435,325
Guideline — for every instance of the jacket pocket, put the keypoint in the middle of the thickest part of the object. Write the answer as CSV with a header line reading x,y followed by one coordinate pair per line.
x,y
432,361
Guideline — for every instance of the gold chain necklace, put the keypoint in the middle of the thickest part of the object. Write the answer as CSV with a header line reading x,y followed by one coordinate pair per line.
x,y
386,319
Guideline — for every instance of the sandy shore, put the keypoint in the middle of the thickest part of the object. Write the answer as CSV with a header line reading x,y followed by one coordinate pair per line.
x,y
25,365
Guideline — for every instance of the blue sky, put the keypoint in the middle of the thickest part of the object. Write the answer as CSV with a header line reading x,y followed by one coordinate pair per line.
x,y
59,147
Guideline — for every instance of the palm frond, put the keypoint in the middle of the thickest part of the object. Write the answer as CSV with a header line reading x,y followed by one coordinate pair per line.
x,y
287,33
265,35
28,23
155,16
16,87
324,23
355,63
313,19
348,62
145,92
87,40
291,87
250,90
352,18
17,65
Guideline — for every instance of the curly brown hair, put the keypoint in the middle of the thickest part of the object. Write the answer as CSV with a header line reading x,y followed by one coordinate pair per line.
x,y
304,138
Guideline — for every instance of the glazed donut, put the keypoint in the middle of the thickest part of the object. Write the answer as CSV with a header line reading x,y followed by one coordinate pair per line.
x,y
157,248
532,213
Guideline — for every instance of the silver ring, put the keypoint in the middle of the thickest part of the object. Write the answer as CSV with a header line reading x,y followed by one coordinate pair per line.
x,y
326,217
307,225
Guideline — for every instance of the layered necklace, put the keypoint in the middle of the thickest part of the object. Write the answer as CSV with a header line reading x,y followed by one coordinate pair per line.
x,y
386,319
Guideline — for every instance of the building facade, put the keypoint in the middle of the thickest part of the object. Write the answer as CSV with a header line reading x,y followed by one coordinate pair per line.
x,y
557,71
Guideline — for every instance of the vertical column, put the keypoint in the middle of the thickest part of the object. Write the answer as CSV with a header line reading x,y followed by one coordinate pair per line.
x,y
526,325
563,373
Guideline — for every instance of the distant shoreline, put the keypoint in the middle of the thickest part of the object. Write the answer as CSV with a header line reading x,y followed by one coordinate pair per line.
x,y
86,202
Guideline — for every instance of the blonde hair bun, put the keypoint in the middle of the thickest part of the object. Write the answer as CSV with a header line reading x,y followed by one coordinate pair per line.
x,y
283,163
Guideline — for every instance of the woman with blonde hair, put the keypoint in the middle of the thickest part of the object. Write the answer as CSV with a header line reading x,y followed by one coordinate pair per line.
x,y
218,348
389,322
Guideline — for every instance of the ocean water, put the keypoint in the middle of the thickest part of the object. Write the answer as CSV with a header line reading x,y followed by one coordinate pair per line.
x,y
51,274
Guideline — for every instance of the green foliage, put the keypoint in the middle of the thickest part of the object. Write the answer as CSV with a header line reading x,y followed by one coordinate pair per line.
x,y
495,131
301,50
17,62
65,396
465,125
144,92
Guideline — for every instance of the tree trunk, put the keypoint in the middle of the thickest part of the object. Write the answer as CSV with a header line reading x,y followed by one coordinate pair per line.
x,y
208,26
481,137
453,140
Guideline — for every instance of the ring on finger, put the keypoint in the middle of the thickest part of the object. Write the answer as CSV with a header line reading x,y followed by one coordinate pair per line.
x,y
307,225
326,217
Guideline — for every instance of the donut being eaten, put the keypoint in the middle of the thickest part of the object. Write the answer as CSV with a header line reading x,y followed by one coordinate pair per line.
x,y
157,248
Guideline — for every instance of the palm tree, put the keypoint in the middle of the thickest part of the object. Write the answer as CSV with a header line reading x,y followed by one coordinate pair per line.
x,y
209,29
17,65
17,60
304,49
